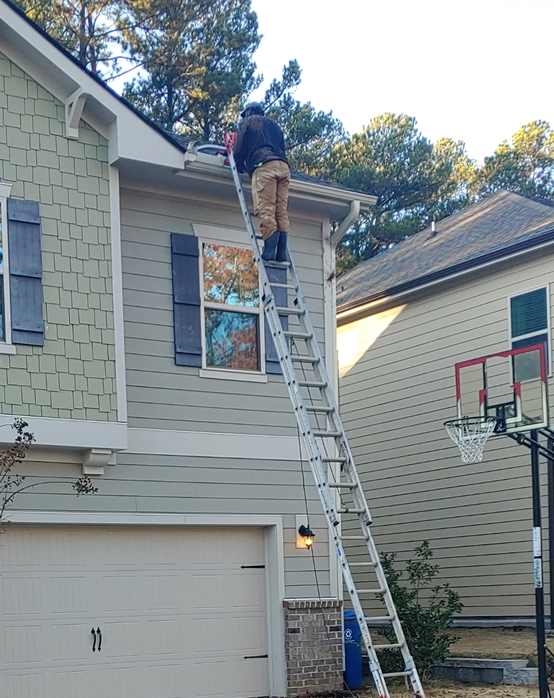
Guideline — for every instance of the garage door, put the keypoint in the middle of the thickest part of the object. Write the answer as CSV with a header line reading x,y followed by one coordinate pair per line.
x,y
176,612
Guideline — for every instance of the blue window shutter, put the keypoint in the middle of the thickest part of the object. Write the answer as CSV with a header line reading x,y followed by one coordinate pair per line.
x,y
25,263
278,276
186,299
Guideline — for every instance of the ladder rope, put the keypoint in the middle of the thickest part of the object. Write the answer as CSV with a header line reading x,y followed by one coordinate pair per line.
x,y
314,440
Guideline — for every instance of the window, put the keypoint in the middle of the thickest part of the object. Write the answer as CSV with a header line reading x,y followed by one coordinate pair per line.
x,y
529,320
4,280
231,308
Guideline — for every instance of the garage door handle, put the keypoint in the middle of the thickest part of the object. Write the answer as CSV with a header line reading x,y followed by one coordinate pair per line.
x,y
99,633
256,656
93,633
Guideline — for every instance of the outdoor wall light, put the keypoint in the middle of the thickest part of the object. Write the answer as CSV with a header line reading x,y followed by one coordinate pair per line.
x,y
307,534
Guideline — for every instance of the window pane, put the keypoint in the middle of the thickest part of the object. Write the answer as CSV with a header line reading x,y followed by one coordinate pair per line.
x,y
2,332
232,340
529,342
1,240
230,276
529,313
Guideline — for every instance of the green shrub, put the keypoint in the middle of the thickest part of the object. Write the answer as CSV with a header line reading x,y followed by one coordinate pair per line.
x,y
425,610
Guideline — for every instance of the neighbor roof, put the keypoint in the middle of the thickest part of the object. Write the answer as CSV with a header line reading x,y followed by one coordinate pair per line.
x,y
496,227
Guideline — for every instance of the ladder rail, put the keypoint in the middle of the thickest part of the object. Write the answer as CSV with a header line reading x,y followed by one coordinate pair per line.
x,y
315,458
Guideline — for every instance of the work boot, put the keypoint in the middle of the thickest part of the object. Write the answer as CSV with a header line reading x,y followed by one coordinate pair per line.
x,y
281,255
270,247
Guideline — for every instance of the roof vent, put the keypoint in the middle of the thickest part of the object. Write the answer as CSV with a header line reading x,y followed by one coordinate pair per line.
x,y
433,230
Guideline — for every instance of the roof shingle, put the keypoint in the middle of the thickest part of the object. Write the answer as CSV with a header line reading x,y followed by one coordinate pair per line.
x,y
490,226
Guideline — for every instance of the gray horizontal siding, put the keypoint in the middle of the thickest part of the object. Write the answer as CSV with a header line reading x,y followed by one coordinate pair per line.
x,y
394,400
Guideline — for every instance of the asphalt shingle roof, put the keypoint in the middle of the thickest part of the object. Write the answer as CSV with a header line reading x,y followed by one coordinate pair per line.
x,y
496,225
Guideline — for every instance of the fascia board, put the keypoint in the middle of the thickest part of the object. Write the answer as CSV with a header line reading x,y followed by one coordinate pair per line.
x,y
130,136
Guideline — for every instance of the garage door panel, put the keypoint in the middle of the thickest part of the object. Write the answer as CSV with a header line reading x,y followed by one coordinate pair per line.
x,y
68,594
23,644
20,549
249,633
72,684
122,682
163,592
208,591
31,685
246,589
121,593
165,681
21,595
120,640
69,641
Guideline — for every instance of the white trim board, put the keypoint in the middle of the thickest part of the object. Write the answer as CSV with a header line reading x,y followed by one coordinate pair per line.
x,y
213,445
69,433
117,278
275,566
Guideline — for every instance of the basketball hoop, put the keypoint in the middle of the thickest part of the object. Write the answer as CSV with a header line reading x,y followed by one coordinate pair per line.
x,y
470,434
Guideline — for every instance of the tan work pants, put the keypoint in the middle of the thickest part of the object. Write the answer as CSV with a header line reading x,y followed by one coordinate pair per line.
x,y
270,192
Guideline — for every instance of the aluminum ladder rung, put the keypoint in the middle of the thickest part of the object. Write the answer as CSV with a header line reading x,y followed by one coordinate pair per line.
x,y
393,646
289,311
275,284
311,436
320,409
297,335
304,358
312,384
395,674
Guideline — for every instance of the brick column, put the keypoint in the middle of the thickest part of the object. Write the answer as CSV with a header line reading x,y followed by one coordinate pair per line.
x,y
314,647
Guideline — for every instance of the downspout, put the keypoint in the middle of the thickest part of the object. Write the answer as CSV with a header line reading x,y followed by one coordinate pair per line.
x,y
351,217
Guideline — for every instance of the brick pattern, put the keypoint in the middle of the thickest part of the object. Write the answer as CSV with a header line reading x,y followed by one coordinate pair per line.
x,y
73,375
314,648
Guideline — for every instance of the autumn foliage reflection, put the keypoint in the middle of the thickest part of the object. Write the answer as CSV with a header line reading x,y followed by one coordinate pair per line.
x,y
230,278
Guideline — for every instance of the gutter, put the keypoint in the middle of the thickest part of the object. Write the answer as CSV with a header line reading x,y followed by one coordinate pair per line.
x,y
205,158
350,218
429,280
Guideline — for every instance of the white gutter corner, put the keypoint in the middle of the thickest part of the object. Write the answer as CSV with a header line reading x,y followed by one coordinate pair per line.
x,y
351,217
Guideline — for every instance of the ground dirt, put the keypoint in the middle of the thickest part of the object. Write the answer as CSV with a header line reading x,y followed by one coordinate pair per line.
x,y
496,643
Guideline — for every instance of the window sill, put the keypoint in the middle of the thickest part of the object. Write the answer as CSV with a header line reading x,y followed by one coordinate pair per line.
x,y
223,374
7,348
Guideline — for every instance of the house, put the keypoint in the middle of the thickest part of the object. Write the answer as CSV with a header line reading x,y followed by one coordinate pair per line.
x,y
479,282
131,363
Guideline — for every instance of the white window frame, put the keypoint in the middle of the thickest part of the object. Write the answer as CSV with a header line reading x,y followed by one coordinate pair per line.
x,y
216,371
547,330
6,346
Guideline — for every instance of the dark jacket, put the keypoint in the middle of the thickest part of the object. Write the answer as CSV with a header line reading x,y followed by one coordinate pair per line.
x,y
259,140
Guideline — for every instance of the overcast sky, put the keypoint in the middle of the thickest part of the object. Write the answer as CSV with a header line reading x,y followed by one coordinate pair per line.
x,y
474,71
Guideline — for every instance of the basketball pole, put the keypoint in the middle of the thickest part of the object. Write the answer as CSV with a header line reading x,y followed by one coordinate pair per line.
x,y
550,461
537,564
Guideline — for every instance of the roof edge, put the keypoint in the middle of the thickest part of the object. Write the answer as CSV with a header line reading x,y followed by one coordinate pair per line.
x,y
352,307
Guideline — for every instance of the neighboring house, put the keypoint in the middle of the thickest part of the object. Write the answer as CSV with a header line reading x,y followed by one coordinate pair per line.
x,y
134,363
480,283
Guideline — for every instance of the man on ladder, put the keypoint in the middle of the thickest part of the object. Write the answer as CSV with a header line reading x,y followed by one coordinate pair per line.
x,y
260,151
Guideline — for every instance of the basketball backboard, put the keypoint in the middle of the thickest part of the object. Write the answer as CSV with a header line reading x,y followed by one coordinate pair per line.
x,y
510,385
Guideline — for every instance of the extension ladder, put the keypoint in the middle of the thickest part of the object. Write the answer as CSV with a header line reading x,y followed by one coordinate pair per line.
x,y
325,443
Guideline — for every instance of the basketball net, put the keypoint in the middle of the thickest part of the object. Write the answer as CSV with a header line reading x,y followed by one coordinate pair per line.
x,y
470,434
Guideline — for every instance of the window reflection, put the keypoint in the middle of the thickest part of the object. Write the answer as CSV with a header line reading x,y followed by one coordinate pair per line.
x,y
230,276
231,340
